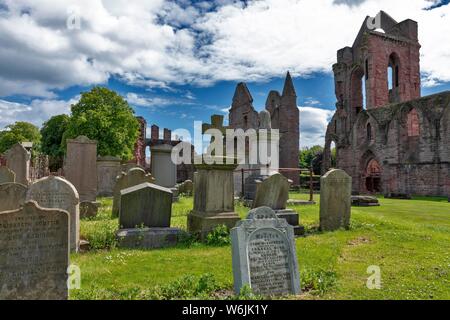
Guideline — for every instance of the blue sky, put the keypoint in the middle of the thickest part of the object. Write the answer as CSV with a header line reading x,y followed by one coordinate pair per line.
x,y
179,61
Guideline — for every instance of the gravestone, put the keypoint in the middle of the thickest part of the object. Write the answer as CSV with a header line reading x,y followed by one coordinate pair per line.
x,y
335,200
34,253
108,168
6,175
144,219
88,209
213,189
81,166
264,254
273,192
186,187
12,196
18,160
133,177
58,193
164,170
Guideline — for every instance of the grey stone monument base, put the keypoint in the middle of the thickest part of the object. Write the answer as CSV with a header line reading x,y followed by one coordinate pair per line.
x,y
299,202
148,238
365,201
292,219
200,224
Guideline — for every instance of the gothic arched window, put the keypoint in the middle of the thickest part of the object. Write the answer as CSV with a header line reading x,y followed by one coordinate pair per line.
x,y
369,132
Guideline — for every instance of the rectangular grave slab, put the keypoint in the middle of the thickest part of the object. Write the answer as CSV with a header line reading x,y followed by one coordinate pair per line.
x,y
148,238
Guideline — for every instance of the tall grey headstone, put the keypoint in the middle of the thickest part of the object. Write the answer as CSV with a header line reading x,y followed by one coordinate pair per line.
x,y
58,193
132,177
6,175
264,254
34,253
12,196
335,200
273,192
18,160
163,169
145,214
108,168
81,166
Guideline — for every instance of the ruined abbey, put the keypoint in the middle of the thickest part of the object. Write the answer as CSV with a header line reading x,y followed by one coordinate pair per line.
x,y
387,137
284,116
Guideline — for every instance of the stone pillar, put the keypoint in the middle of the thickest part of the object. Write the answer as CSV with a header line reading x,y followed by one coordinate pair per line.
x,y
108,168
167,135
18,160
81,166
213,199
155,132
164,170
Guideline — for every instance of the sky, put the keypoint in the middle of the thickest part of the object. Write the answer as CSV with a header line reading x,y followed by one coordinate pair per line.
x,y
179,61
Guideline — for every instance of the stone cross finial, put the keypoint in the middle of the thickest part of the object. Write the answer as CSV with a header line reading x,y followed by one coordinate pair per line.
x,y
216,123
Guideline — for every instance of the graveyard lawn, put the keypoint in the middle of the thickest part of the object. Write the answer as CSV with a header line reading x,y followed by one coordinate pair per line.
x,y
408,239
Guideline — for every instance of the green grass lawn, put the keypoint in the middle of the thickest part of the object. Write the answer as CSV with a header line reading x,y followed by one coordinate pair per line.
x,y
408,239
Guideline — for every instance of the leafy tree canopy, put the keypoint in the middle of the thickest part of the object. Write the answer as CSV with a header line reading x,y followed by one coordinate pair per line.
x,y
19,132
103,115
52,134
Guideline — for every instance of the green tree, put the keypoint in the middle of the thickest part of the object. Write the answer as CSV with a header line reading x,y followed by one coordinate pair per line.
x,y
52,133
103,115
19,132
311,156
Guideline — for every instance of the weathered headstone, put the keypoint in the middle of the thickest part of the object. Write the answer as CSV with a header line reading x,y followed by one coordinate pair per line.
x,y
108,168
88,209
164,170
58,193
34,253
81,166
144,219
186,187
273,192
335,200
12,196
18,160
133,177
6,175
264,254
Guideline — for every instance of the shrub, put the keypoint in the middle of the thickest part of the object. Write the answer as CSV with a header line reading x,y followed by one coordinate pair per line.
x,y
101,234
220,236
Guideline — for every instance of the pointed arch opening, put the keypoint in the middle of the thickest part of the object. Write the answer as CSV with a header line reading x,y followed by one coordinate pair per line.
x,y
373,176
393,77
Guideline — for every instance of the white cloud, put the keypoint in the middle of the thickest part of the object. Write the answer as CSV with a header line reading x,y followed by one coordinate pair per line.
x,y
313,125
154,43
37,112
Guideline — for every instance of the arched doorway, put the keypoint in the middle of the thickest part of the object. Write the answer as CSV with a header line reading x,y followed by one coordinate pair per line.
x,y
373,176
